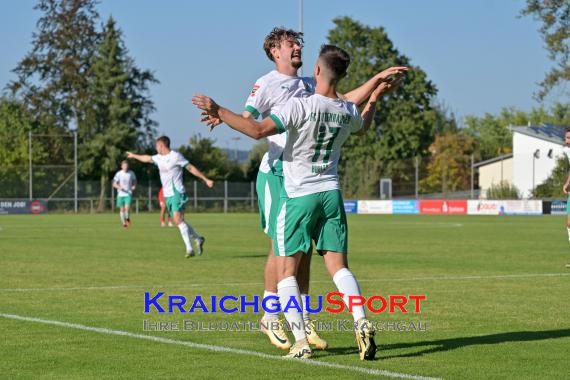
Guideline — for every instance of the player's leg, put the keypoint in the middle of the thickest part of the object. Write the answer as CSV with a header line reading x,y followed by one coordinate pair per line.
x,y
127,215
119,205
291,304
332,243
268,192
303,276
175,205
162,214
296,219
568,224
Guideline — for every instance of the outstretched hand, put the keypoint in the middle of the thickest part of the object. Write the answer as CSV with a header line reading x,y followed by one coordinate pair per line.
x,y
210,115
386,87
210,121
392,71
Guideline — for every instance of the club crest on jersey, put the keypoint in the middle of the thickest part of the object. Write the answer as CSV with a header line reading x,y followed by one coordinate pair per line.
x,y
254,90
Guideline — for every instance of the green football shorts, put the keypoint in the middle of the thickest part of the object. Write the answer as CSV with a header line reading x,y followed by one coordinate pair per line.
x,y
268,187
177,202
124,201
319,217
568,205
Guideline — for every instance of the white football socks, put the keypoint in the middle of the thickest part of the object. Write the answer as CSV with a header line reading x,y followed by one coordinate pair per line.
x,y
568,229
184,231
272,304
287,289
306,314
346,283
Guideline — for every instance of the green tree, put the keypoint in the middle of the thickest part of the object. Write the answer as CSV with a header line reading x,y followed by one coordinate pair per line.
x,y
15,124
117,118
405,123
52,79
552,187
254,160
555,18
213,161
449,167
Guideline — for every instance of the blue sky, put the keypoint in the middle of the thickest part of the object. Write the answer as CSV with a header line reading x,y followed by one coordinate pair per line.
x,y
479,53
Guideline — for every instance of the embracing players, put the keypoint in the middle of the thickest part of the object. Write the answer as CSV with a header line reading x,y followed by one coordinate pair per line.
x,y
171,165
311,205
270,92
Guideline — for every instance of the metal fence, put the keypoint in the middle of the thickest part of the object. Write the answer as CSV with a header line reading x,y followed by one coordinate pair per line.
x,y
55,179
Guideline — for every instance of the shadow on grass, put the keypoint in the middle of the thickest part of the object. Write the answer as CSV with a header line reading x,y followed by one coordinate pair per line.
x,y
444,345
455,343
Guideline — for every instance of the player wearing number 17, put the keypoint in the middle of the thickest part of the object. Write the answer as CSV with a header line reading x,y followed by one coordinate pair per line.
x,y
311,205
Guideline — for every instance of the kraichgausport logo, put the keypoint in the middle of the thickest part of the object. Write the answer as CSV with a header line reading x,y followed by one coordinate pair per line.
x,y
233,304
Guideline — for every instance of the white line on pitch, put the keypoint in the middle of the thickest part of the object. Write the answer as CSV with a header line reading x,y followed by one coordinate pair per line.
x,y
187,285
210,347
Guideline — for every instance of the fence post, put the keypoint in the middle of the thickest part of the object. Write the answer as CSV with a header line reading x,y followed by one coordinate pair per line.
x,y
195,195
473,176
417,176
137,205
30,165
225,197
112,198
75,167
149,196
91,205
252,190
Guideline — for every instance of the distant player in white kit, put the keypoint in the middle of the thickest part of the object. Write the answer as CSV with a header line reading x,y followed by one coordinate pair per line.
x,y
125,182
171,165
566,185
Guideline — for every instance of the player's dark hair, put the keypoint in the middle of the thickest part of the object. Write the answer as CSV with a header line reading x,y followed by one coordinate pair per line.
x,y
278,35
165,140
335,60
567,131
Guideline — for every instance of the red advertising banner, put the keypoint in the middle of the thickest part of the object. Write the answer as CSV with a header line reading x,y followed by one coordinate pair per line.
x,y
443,207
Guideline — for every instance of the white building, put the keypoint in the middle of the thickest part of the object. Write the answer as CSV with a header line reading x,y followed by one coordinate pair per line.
x,y
535,152
494,171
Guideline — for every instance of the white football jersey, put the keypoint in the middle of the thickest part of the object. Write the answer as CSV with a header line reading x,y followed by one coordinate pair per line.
x,y
269,94
171,167
126,180
317,127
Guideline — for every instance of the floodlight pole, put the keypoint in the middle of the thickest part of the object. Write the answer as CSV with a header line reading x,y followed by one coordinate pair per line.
x,y
30,164
75,167
472,176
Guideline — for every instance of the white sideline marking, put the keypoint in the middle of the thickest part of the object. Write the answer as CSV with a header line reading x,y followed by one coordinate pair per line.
x,y
210,347
186,285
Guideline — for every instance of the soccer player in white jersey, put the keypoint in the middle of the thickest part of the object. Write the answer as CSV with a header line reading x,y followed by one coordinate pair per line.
x,y
567,185
125,182
311,205
269,94
171,165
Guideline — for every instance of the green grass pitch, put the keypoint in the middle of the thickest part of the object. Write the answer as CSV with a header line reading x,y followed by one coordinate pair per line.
x,y
497,298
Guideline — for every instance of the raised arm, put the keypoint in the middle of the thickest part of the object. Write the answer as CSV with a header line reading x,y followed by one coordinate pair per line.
x,y
360,94
370,109
140,157
248,126
197,173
